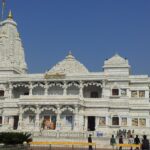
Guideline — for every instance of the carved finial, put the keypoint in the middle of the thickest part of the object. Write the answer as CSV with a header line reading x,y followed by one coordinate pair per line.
x,y
70,56
70,53
10,16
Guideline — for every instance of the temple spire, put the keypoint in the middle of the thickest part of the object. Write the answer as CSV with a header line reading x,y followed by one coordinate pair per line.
x,y
10,16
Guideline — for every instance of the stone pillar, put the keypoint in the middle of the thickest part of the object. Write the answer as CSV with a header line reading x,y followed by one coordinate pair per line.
x,y
81,89
120,119
20,118
107,121
11,121
10,90
65,88
147,122
129,121
86,123
30,88
37,119
46,89
58,121
96,122
3,121
103,88
76,123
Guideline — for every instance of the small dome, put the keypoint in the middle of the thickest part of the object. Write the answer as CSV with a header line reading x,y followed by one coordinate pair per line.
x,y
69,66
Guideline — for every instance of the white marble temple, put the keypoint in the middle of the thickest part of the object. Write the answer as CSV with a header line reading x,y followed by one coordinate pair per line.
x,y
68,97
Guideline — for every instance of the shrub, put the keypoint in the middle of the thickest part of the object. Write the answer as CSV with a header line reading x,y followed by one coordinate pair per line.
x,y
13,138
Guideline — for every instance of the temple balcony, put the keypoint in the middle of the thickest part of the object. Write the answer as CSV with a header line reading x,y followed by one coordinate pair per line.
x,y
50,99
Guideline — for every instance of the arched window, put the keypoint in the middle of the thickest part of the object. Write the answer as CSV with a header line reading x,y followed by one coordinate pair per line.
x,y
115,120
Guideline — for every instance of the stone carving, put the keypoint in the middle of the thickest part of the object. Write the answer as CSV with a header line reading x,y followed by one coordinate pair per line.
x,y
135,122
134,94
67,108
98,84
50,108
141,93
102,121
142,122
68,66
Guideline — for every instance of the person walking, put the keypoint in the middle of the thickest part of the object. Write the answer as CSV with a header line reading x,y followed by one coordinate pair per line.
x,y
90,142
120,142
145,143
137,141
112,141
131,141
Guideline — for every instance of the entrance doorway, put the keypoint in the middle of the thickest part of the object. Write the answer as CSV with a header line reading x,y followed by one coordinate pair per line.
x,y
91,123
16,119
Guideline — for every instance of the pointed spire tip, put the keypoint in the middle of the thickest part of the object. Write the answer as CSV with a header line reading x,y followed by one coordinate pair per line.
x,y
10,16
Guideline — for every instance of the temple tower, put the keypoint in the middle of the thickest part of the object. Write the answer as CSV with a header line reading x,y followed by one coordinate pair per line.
x,y
12,59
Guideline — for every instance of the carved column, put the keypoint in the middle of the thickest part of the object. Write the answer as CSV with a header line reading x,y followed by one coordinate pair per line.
x,y
46,88
30,88
76,125
65,88
97,122
103,88
58,122
81,89
37,119
86,123
20,118
3,119
10,90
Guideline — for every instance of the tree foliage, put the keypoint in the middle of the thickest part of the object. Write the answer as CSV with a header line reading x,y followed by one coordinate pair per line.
x,y
13,138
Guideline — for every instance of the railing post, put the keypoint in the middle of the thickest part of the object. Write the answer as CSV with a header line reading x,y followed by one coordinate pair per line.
x,y
50,146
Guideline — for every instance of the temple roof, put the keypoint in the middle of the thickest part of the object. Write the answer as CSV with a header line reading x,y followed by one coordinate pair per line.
x,y
116,61
68,66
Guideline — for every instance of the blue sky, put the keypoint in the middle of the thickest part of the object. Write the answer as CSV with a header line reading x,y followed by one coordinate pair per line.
x,y
92,29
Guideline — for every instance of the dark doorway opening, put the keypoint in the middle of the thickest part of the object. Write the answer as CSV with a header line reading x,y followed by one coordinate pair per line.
x,y
91,123
16,120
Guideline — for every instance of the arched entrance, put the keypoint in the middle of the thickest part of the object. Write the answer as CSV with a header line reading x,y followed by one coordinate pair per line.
x,y
48,118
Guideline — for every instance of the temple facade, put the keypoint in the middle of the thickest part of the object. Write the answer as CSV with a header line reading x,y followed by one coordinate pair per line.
x,y
69,97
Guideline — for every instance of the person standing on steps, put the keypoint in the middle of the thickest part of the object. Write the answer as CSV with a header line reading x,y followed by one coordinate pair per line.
x,y
112,141
90,142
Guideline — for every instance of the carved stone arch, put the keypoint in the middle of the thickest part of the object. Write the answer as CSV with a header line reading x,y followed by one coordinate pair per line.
x,y
67,108
50,108
29,109
92,83
73,88
92,89
38,84
38,88
55,88
73,83
115,85
19,89
59,84
20,85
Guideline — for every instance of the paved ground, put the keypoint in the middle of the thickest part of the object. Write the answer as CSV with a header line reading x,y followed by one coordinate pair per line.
x,y
64,148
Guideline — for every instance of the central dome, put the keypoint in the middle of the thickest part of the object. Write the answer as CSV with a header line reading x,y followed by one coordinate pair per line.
x,y
69,66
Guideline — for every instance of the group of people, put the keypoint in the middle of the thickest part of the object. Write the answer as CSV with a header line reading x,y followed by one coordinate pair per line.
x,y
125,133
131,140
